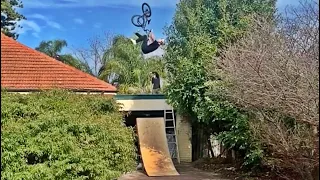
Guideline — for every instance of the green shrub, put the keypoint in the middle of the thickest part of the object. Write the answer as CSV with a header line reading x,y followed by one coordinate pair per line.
x,y
61,135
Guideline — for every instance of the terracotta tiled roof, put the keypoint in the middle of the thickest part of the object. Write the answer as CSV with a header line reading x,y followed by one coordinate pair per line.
x,y
25,69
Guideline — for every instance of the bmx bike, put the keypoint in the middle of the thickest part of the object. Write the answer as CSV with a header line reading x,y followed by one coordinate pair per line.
x,y
144,19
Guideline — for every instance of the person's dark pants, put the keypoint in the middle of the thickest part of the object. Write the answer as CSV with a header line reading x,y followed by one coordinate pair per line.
x,y
145,47
156,91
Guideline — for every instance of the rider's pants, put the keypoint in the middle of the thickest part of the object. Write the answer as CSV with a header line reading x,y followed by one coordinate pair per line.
x,y
145,47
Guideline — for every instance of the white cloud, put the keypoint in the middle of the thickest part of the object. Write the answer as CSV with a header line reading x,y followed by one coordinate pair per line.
x,y
54,24
97,3
46,19
28,25
35,35
37,16
78,21
33,27
97,25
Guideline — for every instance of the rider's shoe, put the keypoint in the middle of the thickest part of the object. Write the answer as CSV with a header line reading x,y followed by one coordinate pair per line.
x,y
149,21
133,41
150,31
138,34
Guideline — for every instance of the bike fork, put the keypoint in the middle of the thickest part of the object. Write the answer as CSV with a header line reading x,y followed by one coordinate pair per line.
x,y
147,31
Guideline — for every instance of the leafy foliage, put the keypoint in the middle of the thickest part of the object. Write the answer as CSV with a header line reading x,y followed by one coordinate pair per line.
x,y
54,48
72,61
275,74
10,17
59,135
200,30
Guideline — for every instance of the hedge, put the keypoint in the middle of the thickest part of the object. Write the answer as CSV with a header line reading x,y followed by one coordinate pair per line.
x,y
62,135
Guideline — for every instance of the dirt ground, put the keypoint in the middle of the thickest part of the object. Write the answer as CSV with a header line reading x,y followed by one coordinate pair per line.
x,y
187,172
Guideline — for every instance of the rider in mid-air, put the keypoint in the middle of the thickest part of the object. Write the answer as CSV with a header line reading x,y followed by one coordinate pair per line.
x,y
149,43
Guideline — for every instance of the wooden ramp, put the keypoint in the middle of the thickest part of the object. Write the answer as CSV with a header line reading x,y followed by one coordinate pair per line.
x,y
154,148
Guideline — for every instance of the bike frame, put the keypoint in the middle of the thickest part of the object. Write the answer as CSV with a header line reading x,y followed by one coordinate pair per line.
x,y
146,19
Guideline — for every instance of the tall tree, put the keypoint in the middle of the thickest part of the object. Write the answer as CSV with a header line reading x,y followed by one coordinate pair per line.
x,y
124,64
10,17
98,45
54,48
73,61
199,30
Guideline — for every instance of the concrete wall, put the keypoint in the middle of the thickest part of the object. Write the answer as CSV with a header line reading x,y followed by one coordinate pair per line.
x,y
184,135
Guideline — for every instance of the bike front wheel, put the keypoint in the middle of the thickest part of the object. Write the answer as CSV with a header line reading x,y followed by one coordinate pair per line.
x,y
138,20
146,10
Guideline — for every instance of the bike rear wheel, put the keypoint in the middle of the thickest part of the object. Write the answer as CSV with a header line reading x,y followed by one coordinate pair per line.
x,y
138,20
146,10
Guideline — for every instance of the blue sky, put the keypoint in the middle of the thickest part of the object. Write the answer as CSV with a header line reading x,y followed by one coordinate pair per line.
x,y
78,20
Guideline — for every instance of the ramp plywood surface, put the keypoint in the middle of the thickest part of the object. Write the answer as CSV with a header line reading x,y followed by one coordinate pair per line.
x,y
154,148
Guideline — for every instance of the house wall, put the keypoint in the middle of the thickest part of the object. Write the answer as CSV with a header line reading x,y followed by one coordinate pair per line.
x,y
184,135
143,105
156,103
